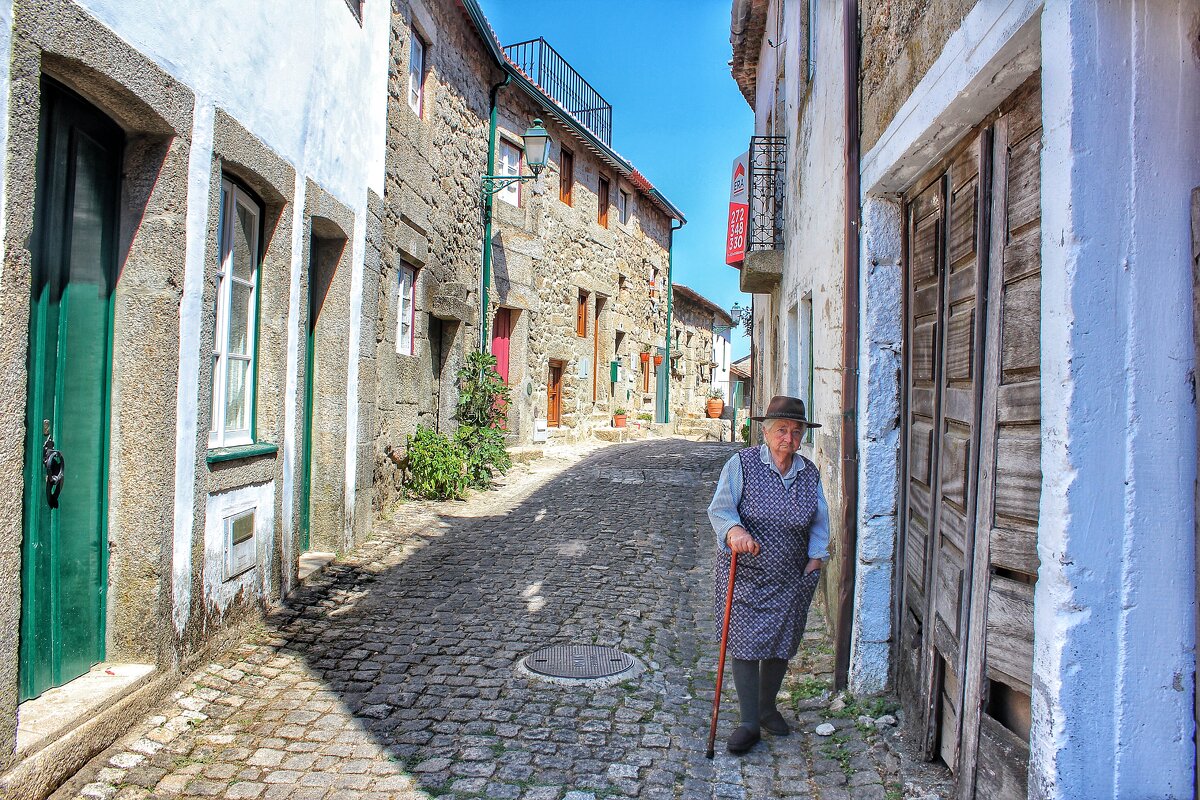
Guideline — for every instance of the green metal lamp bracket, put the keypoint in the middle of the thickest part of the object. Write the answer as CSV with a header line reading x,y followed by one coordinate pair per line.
x,y
491,184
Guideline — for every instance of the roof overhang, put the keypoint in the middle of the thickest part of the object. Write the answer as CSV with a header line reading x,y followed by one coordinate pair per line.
x,y
565,119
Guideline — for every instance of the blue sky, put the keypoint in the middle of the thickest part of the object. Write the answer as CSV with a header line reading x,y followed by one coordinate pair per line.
x,y
677,114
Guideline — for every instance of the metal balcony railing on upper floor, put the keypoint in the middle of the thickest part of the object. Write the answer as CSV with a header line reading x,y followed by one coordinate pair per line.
x,y
550,71
768,161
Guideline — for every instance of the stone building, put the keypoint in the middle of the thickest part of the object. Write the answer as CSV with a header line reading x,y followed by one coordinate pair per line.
x,y
578,259
178,211
1004,343
701,352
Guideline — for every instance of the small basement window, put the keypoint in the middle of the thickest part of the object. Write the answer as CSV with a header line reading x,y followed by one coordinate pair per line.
x,y
240,552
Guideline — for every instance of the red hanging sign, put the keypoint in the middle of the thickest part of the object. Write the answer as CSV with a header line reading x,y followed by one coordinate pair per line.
x,y
739,208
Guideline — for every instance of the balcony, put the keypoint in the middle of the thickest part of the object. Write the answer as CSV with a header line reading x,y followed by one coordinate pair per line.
x,y
763,267
542,64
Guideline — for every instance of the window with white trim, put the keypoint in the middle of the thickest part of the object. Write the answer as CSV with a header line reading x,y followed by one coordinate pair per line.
x,y
623,206
233,354
509,163
416,72
812,38
405,311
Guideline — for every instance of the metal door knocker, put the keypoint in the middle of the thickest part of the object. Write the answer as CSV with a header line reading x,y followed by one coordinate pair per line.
x,y
54,465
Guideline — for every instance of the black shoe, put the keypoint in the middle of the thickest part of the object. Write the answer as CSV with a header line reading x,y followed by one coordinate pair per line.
x,y
742,739
773,723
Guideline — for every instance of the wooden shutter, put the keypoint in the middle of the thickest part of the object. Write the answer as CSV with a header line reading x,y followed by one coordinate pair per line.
x,y
581,315
998,685
566,177
602,210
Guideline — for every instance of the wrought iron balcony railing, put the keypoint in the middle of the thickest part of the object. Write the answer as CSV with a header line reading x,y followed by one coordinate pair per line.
x,y
550,71
768,159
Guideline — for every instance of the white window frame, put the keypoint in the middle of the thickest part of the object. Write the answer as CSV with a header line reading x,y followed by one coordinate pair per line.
x,y
405,309
505,165
240,556
812,38
417,50
623,204
221,434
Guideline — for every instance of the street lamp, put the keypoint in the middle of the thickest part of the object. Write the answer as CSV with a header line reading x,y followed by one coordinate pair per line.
x,y
537,153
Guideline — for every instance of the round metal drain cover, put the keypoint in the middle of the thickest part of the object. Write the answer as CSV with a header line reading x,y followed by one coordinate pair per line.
x,y
579,662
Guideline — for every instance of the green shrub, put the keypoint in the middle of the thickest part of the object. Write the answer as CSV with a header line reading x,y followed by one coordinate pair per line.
x,y
441,468
482,396
484,451
746,431
482,413
645,416
437,466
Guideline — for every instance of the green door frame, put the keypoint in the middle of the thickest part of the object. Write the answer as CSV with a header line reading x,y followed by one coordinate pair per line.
x,y
64,580
310,350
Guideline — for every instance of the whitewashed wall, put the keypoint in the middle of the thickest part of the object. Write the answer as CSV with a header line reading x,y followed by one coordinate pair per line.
x,y
304,77
310,81
1115,601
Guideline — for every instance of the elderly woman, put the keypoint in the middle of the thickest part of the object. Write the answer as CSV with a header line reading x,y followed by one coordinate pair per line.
x,y
770,510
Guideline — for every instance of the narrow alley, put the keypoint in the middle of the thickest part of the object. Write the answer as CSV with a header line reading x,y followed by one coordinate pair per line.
x,y
393,674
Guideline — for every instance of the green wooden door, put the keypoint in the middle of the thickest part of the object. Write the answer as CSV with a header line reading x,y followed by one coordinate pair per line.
x,y
310,351
64,552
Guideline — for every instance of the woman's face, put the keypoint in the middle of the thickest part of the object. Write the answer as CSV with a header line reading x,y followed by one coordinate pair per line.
x,y
784,436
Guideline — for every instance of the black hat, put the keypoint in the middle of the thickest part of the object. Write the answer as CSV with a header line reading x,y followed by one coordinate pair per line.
x,y
783,407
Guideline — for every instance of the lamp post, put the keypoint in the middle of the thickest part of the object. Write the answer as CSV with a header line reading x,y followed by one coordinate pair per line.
x,y
537,153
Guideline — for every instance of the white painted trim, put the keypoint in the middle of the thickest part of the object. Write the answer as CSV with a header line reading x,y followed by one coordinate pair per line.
x,y
292,388
985,60
356,301
6,13
220,593
187,399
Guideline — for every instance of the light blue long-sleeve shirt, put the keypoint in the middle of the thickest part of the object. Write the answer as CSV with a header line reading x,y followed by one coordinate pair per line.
x,y
723,510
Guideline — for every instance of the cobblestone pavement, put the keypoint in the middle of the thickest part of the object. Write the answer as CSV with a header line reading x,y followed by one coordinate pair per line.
x,y
392,674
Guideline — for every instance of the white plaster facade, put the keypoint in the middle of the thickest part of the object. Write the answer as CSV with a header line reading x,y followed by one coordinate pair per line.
x,y
322,108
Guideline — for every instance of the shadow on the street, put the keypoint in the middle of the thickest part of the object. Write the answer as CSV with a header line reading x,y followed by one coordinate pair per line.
x,y
419,633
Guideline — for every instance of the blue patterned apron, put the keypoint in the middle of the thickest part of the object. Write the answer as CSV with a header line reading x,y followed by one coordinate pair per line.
x,y
771,594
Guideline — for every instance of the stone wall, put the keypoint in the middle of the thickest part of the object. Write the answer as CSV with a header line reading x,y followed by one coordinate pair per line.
x,y
546,252
692,356
900,41
431,221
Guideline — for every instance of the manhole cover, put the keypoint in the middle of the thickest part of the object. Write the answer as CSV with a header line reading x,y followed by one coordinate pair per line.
x,y
578,662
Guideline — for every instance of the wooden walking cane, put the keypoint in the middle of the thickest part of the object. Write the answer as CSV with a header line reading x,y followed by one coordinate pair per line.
x,y
712,729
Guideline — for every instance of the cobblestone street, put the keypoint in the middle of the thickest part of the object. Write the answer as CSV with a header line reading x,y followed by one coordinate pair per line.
x,y
392,673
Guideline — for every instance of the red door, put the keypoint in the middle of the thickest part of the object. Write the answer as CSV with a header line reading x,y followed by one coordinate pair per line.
x,y
554,395
501,337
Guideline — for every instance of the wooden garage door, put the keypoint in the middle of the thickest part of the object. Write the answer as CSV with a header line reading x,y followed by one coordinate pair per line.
x,y
972,440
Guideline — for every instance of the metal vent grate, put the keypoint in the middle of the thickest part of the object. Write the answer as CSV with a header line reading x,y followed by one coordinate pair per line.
x,y
578,661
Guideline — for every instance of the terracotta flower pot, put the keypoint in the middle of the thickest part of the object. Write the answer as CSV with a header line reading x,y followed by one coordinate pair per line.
x,y
714,407
645,358
619,420
658,360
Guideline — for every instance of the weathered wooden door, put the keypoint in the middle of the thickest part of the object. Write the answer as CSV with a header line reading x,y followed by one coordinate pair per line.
x,y
957,356
554,395
1000,661
74,244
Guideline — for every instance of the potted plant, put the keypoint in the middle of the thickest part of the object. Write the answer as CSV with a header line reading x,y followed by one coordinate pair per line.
x,y
645,358
716,402
619,417
658,359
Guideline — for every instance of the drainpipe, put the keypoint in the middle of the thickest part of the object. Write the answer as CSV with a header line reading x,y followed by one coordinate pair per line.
x,y
849,435
485,274
666,414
